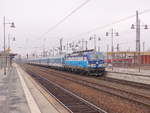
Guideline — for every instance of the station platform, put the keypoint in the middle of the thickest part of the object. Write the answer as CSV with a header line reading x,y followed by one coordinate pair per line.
x,y
19,93
130,74
136,71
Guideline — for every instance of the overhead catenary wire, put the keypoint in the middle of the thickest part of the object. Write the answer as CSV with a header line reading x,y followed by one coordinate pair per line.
x,y
113,23
65,18
95,29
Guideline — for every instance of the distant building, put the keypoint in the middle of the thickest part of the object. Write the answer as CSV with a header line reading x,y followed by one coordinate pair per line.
x,y
128,58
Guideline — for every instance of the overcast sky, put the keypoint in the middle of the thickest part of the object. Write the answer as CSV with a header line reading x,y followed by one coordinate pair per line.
x,y
34,17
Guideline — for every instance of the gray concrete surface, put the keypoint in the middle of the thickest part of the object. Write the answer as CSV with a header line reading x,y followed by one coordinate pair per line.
x,y
18,94
130,77
129,71
12,97
130,74
45,102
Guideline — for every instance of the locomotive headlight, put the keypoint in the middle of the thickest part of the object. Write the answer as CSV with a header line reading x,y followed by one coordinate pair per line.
x,y
91,65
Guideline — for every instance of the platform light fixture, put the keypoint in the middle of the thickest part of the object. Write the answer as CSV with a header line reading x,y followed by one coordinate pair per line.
x,y
12,25
93,38
132,26
112,33
146,26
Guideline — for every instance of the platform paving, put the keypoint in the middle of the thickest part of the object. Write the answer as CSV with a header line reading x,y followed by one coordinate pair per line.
x,y
19,95
12,97
45,102
130,75
129,71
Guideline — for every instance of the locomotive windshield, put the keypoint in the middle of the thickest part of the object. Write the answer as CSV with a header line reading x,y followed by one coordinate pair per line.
x,y
96,56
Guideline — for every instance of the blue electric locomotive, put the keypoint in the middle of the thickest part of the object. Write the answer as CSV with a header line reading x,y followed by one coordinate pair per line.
x,y
88,62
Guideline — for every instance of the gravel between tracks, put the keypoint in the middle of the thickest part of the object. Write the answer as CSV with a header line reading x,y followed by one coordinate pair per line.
x,y
110,103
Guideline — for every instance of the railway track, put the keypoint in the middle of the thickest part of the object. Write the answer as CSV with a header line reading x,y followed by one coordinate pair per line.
x,y
73,102
125,82
130,95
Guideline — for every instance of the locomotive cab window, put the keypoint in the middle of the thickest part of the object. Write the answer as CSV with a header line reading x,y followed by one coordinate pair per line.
x,y
96,57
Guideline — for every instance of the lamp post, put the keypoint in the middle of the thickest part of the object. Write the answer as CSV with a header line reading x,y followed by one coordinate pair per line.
x,y
143,46
95,38
107,53
99,39
83,44
86,45
138,45
112,33
5,56
61,46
